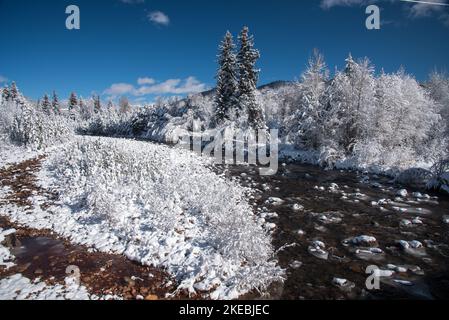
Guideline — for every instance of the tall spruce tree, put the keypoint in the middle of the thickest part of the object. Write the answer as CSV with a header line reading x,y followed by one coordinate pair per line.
x,y
110,106
97,103
56,107
83,109
248,77
307,120
5,93
227,88
46,104
124,106
73,104
13,92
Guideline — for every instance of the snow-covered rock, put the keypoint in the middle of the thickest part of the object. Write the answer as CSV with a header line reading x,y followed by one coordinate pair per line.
x,y
446,219
297,207
18,287
296,264
274,201
364,241
402,193
317,249
6,258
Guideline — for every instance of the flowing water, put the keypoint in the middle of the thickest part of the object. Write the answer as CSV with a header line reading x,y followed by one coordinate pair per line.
x,y
311,204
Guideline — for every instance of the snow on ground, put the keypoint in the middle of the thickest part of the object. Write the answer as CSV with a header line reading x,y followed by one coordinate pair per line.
x,y
10,154
159,206
6,257
18,287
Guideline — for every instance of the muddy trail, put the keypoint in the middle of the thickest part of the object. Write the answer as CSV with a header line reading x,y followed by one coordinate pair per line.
x,y
42,254
318,217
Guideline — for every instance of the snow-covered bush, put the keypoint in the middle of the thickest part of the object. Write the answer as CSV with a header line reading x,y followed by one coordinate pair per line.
x,y
440,179
168,209
306,124
27,124
415,177
36,129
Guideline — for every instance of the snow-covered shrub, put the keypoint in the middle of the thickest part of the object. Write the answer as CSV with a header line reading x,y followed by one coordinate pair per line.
x,y
167,209
415,177
306,124
36,129
440,179
348,105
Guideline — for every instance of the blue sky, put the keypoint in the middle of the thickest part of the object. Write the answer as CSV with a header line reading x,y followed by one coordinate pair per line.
x,y
148,48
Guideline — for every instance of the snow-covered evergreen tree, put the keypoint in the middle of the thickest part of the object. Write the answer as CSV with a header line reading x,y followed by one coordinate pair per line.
x,y
5,94
97,104
73,105
45,104
350,100
248,77
13,91
110,106
438,88
307,121
227,89
124,106
83,109
55,105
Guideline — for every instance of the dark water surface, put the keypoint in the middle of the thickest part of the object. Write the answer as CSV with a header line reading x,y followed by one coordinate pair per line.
x,y
334,213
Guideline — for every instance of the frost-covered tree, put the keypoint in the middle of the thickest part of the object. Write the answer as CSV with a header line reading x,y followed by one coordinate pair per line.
x,y
110,106
55,105
14,91
5,94
97,104
124,106
45,104
350,100
248,77
84,109
307,121
438,88
73,105
405,122
227,88
13,94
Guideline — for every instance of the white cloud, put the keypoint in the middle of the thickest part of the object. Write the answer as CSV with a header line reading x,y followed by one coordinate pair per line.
x,y
420,10
159,18
145,80
427,8
327,4
119,89
149,86
3,79
174,86
445,19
